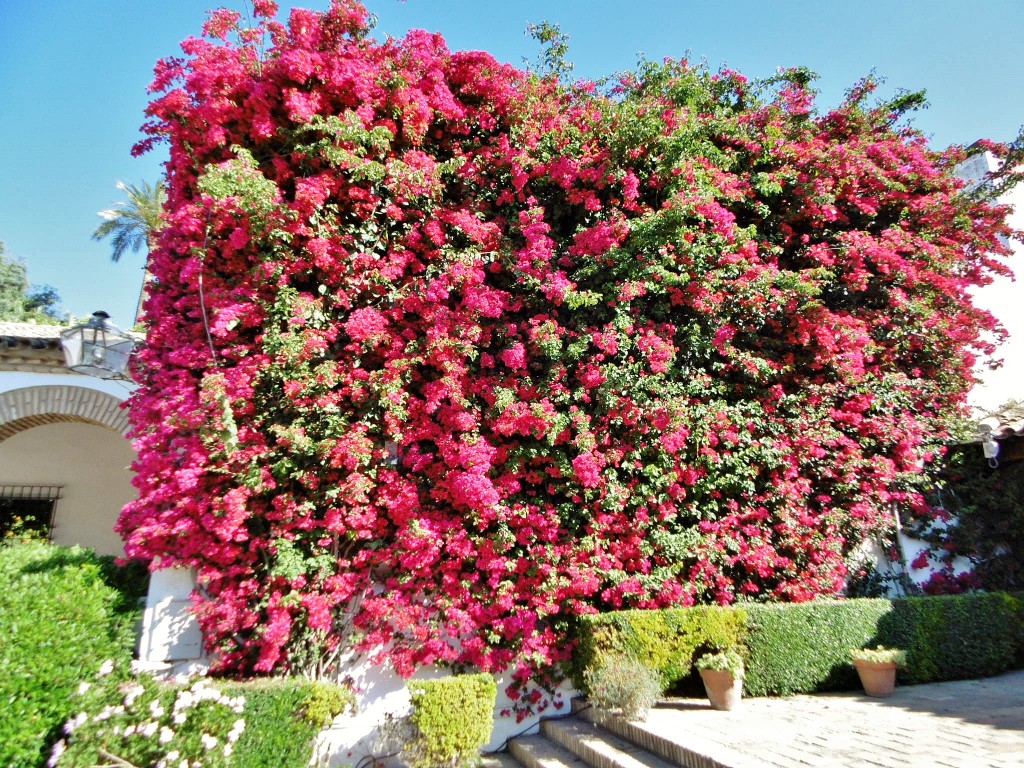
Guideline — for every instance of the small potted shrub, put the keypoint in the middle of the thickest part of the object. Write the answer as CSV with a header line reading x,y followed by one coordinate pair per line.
x,y
877,668
722,673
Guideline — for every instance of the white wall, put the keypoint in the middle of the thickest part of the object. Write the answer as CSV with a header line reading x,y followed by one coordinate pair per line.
x,y
91,462
1005,299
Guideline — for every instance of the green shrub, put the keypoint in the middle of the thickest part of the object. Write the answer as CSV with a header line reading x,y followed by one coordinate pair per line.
x,y
63,611
625,684
139,721
253,724
325,701
452,718
954,637
666,640
804,647
280,729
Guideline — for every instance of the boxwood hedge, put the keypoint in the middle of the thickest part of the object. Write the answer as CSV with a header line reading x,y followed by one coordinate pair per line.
x,y
804,647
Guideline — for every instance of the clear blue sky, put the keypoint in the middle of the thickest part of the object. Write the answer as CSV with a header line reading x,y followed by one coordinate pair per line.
x,y
73,77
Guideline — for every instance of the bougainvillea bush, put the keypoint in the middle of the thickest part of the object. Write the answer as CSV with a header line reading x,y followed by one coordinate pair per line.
x,y
442,353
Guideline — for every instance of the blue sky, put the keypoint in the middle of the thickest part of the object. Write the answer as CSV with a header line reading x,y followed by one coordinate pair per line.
x,y
73,79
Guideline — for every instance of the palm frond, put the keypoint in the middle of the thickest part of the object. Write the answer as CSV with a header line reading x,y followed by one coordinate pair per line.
x,y
131,224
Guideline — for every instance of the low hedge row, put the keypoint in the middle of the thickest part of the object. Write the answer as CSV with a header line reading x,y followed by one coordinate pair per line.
x,y
665,640
284,717
804,648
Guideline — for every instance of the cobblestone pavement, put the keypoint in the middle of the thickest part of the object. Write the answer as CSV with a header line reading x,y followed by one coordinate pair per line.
x,y
971,723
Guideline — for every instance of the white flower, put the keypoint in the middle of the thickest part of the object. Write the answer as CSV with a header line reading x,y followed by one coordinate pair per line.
x,y
208,741
74,722
166,734
148,729
236,730
106,668
83,687
179,718
133,693
156,708
184,700
107,712
56,752
228,749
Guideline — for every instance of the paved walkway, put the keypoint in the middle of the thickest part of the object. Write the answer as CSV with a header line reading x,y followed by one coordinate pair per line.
x,y
968,724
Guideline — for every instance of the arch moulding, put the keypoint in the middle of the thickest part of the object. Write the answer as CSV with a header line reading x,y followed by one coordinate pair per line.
x,y
28,407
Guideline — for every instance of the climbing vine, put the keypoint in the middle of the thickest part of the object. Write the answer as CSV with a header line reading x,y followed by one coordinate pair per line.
x,y
489,352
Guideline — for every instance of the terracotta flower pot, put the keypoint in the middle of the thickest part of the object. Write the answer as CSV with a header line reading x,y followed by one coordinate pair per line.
x,y
877,677
724,689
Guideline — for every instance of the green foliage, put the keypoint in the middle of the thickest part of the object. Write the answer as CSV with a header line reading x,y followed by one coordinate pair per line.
x,y
667,640
132,224
62,612
280,732
987,509
805,647
241,179
325,701
21,302
625,684
139,721
722,661
954,637
256,724
554,49
880,655
453,718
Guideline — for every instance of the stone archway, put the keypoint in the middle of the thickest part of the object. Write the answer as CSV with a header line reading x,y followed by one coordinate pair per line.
x,y
28,407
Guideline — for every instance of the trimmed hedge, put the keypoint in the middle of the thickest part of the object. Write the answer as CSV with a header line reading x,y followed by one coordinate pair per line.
x,y
283,718
665,640
63,611
954,637
805,647
802,647
453,718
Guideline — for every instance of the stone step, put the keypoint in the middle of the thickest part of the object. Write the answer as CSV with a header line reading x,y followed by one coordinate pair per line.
x,y
498,760
696,752
539,752
599,748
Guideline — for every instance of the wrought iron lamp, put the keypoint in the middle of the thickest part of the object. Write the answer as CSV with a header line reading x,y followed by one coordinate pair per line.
x,y
97,348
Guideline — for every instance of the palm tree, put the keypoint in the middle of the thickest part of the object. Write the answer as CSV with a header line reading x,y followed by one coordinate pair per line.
x,y
133,224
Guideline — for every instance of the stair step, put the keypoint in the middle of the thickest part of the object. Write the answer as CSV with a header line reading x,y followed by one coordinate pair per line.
x,y
697,752
599,748
539,752
498,760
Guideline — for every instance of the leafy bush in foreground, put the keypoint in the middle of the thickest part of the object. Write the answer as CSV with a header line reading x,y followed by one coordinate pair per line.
x,y
62,612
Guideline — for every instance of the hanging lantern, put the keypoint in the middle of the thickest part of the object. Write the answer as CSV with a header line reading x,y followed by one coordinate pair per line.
x,y
97,348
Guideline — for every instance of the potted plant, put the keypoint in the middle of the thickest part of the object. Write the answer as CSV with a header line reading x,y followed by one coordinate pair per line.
x,y
877,668
722,673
